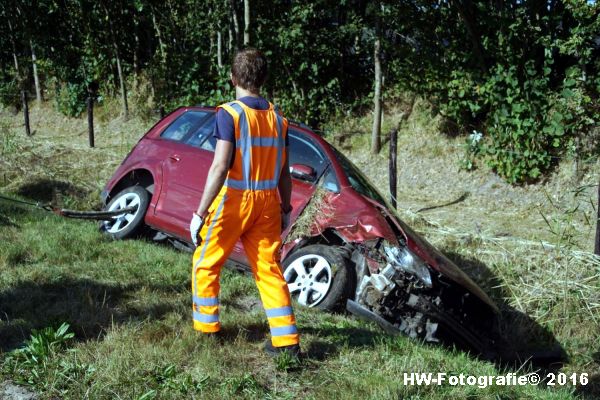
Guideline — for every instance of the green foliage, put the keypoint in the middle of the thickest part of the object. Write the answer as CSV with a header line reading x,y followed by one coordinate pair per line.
x,y
525,74
31,362
522,129
8,142
286,362
10,94
245,385
314,70
222,91
70,99
44,343
170,378
532,100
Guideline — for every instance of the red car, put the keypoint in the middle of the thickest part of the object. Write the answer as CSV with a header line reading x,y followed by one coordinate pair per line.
x,y
355,252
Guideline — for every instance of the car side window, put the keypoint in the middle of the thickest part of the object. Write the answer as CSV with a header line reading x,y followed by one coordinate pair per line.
x,y
303,151
202,137
186,124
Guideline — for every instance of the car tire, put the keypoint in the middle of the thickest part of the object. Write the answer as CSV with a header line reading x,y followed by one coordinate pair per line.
x,y
129,224
332,284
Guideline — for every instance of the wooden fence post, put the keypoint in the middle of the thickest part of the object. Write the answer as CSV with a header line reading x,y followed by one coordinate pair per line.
x,y
597,241
90,115
26,112
393,166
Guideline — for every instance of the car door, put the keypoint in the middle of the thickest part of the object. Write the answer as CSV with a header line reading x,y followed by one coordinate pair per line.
x,y
188,158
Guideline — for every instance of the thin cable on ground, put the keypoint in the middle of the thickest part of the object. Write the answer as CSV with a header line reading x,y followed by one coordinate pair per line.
x,y
63,212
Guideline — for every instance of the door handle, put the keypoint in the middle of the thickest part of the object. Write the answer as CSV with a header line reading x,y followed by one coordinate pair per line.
x,y
175,157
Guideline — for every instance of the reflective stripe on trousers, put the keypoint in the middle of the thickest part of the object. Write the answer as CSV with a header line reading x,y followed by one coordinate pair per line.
x,y
281,321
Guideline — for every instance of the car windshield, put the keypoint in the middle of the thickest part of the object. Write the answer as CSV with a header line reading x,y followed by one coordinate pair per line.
x,y
359,182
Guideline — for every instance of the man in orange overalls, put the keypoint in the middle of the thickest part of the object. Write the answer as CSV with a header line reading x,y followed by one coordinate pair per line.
x,y
247,195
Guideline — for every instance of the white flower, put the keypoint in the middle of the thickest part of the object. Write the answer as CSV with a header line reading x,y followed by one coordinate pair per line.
x,y
475,137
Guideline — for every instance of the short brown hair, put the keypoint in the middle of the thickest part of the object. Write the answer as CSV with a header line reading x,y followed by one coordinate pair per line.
x,y
249,69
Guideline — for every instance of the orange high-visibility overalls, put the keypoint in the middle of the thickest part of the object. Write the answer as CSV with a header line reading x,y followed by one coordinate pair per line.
x,y
247,207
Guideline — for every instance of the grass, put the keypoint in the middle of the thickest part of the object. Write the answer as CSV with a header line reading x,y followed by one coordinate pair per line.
x,y
128,303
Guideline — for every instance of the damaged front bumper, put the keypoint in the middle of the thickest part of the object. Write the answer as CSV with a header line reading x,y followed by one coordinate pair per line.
x,y
405,295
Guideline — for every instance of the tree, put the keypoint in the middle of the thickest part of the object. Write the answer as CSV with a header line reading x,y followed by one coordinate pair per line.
x,y
523,74
219,49
38,89
377,107
246,22
236,24
14,50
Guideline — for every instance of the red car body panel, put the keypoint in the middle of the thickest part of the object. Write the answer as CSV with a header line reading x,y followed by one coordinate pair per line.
x,y
179,172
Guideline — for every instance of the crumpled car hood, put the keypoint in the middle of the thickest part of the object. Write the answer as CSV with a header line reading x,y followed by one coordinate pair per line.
x,y
358,224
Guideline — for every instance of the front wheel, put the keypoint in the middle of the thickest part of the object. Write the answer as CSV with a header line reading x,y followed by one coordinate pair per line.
x,y
320,276
129,223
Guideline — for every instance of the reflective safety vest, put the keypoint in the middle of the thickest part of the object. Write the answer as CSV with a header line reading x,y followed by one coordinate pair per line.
x,y
259,147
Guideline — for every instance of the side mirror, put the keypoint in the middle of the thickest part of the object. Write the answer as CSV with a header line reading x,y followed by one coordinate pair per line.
x,y
303,172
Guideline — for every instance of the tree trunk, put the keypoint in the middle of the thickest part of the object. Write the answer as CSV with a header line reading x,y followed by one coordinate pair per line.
x,y
136,49
246,22
118,59
36,79
236,24
230,43
121,82
376,133
14,52
597,241
219,49
161,44
18,74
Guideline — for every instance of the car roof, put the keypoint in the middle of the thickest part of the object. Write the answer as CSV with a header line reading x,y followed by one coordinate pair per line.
x,y
296,124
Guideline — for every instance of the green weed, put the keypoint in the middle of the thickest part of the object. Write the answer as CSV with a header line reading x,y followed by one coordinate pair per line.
x,y
287,362
245,385
171,379
32,360
8,141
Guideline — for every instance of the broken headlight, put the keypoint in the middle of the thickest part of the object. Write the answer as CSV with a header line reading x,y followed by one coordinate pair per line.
x,y
407,261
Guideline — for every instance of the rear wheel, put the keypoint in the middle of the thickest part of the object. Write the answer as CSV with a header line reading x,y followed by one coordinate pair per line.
x,y
130,223
320,276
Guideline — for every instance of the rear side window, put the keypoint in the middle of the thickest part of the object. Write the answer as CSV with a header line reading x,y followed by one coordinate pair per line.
x,y
203,136
186,125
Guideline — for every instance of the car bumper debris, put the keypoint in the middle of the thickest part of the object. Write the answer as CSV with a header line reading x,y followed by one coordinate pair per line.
x,y
403,294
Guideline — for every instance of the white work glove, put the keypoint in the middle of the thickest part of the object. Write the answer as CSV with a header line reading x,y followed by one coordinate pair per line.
x,y
195,226
285,219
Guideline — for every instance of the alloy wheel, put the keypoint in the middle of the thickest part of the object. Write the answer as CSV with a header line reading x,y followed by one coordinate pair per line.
x,y
121,221
309,279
